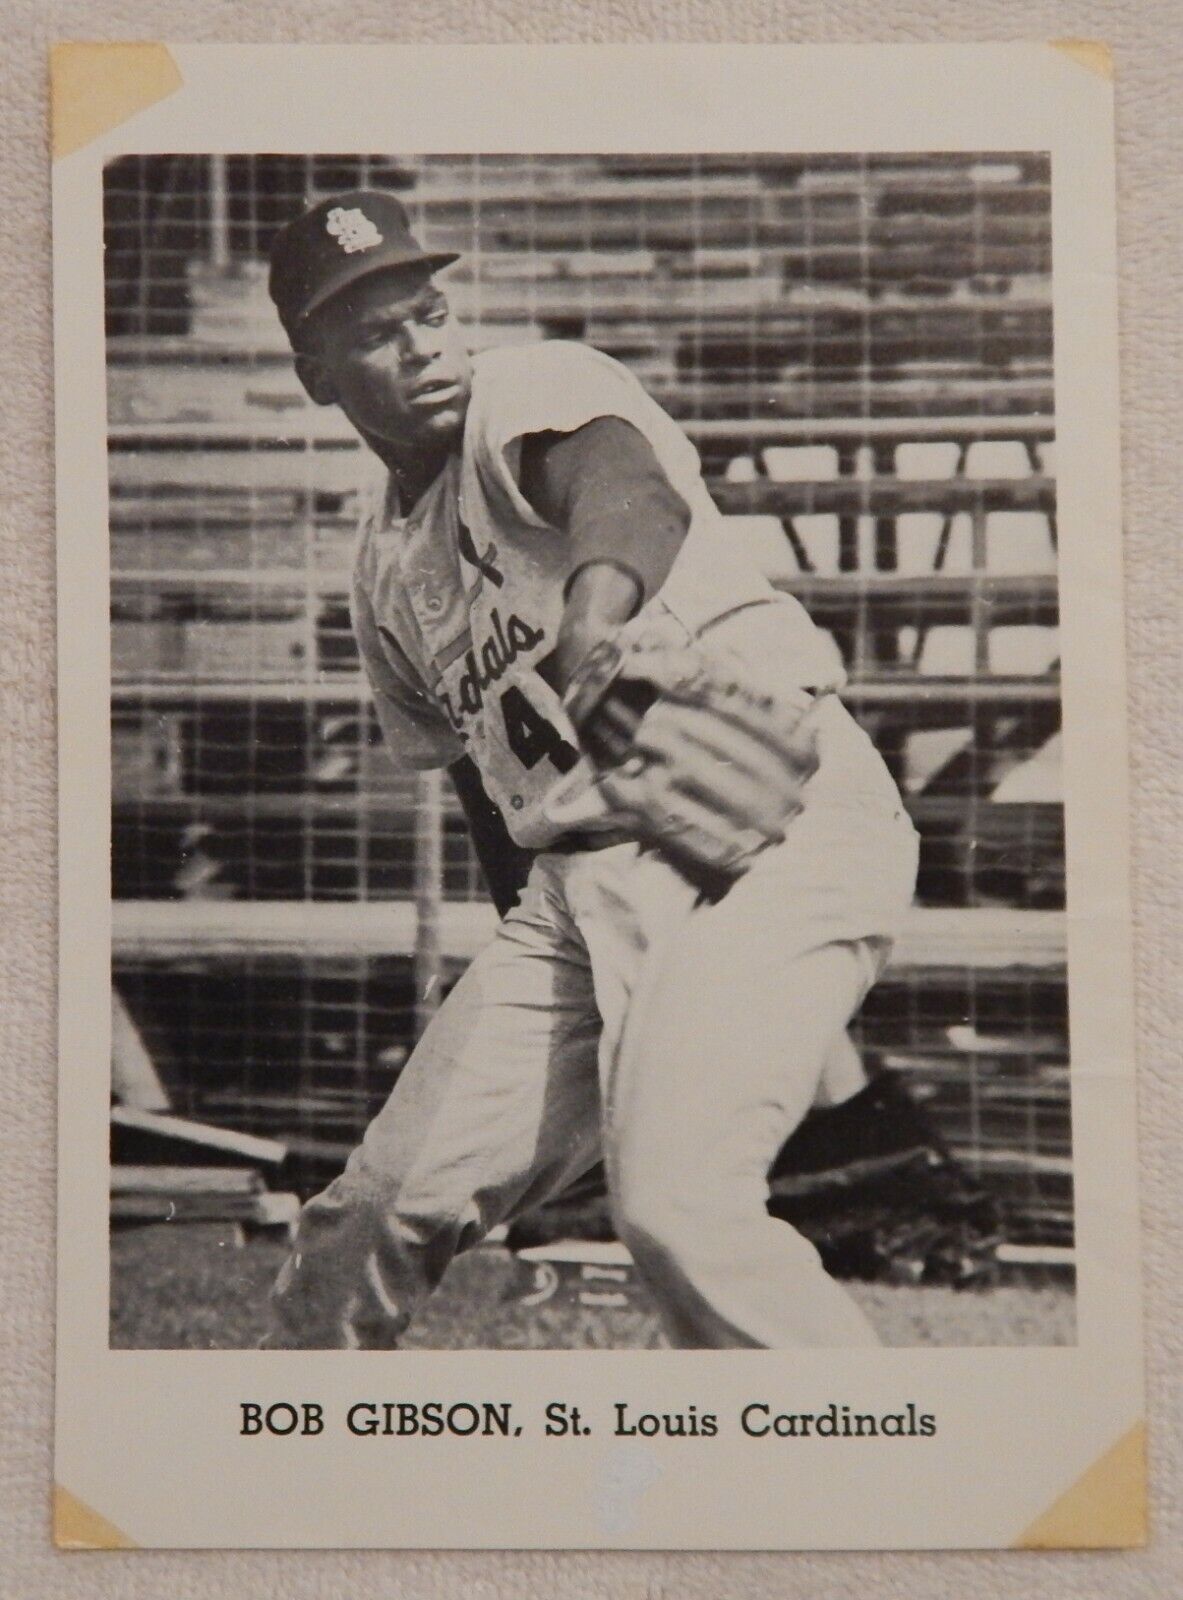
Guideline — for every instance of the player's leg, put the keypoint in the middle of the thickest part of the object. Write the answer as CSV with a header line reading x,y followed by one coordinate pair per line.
x,y
843,1074
498,1106
725,1047
708,1103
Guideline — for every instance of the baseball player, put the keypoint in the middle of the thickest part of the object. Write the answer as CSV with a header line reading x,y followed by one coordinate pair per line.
x,y
545,592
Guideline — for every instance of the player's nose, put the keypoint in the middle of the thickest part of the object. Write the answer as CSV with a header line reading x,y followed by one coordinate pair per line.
x,y
421,342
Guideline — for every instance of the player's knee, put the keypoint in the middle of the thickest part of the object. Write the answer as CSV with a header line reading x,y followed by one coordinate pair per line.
x,y
363,1212
361,1261
674,1249
658,1222
697,1231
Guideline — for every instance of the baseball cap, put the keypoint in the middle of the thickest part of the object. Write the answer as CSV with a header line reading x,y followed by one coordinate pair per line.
x,y
341,239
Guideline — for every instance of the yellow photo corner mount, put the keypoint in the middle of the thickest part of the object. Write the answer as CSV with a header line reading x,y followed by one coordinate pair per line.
x,y
1090,53
1105,1509
95,87
77,1527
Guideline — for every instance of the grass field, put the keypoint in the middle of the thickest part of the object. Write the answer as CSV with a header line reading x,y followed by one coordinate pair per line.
x,y
198,1287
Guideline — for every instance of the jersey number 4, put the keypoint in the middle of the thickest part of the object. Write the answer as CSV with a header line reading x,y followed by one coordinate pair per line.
x,y
531,737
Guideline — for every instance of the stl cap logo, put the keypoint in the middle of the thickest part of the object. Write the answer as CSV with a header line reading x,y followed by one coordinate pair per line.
x,y
352,230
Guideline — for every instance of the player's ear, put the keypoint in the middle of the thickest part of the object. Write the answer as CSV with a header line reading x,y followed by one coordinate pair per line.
x,y
318,384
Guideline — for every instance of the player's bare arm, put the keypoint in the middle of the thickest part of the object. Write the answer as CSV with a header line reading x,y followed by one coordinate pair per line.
x,y
624,523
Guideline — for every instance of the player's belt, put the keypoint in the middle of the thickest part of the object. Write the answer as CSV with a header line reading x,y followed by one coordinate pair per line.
x,y
568,844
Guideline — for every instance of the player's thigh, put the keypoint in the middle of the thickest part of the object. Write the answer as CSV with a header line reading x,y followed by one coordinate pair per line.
x,y
503,1084
722,1059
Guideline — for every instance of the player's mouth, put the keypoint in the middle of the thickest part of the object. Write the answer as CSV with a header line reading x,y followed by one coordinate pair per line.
x,y
437,392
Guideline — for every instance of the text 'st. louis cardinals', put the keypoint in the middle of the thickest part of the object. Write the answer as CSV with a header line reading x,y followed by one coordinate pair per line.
x,y
456,606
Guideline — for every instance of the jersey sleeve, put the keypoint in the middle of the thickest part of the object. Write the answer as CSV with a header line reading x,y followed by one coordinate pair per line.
x,y
559,387
414,727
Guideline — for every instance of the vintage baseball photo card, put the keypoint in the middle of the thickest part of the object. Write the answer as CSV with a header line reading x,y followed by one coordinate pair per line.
x,y
595,944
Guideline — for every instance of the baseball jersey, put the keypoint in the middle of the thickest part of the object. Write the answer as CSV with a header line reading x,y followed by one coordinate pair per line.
x,y
457,604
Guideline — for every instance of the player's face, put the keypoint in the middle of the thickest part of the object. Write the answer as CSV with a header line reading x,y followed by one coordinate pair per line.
x,y
389,353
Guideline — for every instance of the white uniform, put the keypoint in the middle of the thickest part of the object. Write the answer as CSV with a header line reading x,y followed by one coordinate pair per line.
x,y
613,1013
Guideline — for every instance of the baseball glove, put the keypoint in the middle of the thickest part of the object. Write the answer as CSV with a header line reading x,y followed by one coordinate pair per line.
x,y
697,760
879,1195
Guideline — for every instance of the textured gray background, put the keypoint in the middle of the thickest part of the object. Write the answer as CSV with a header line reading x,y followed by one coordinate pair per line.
x,y
1147,38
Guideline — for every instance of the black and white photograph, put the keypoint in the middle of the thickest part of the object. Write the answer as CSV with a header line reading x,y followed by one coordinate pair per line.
x,y
406,456
607,903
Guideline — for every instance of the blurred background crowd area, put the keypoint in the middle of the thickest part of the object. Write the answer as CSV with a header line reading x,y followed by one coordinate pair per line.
x,y
860,348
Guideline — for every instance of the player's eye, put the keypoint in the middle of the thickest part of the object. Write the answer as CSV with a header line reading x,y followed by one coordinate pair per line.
x,y
436,314
381,333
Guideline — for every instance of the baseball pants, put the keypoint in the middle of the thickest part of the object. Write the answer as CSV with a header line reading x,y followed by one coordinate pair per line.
x,y
614,1013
